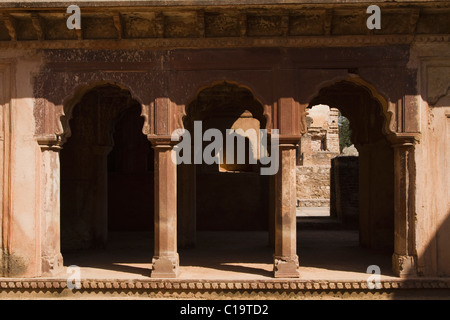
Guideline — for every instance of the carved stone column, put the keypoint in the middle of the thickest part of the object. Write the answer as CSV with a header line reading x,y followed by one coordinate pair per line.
x,y
100,210
285,257
165,261
50,246
403,259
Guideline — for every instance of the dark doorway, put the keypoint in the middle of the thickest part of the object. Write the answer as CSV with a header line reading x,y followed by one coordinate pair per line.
x,y
106,170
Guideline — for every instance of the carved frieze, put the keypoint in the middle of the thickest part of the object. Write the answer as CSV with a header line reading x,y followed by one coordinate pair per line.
x,y
220,22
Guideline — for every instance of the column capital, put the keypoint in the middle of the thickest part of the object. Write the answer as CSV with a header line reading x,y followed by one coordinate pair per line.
x,y
50,142
289,141
403,140
162,141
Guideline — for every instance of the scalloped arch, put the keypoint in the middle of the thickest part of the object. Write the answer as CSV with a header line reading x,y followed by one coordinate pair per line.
x,y
265,110
360,83
78,94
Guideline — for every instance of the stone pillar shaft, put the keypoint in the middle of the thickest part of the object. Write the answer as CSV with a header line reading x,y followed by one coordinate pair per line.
x,y
50,247
165,260
285,257
403,261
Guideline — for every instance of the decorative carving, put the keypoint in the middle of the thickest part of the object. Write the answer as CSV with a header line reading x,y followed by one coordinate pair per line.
x,y
205,289
243,24
224,23
159,25
233,42
327,22
79,33
37,26
201,23
118,25
10,24
413,19
284,27
53,108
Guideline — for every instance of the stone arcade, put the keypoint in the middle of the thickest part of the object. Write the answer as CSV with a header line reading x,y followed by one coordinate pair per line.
x,y
86,118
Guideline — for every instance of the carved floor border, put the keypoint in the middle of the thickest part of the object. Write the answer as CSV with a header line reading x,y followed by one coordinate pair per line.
x,y
222,289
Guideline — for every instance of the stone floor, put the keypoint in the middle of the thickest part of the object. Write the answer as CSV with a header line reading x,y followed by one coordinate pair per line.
x,y
231,265
323,254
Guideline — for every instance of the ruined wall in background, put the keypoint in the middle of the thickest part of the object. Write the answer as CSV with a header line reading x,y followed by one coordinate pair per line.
x,y
317,147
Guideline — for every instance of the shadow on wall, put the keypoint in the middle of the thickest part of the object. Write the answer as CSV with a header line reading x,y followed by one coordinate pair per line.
x,y
435,259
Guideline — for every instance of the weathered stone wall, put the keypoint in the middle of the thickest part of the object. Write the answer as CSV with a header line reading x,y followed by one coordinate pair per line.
x,y
20,177
316,149
313,186
432,187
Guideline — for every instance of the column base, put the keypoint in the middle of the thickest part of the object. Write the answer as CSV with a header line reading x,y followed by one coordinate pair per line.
x,y
165,267
403,265
52,265
286,267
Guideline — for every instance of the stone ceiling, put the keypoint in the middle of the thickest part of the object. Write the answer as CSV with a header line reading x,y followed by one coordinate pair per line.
x,y
209,26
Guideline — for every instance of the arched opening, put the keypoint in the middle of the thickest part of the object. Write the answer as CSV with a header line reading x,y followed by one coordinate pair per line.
x,y
106,176
231,196
361,181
